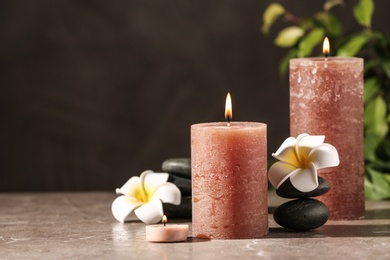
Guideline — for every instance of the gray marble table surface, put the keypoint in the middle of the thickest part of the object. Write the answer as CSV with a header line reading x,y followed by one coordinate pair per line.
x,y
80,226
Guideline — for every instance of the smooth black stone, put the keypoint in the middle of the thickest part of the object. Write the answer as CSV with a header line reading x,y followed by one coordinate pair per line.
x,y
183,184
178,166
302,214
286,190
184,210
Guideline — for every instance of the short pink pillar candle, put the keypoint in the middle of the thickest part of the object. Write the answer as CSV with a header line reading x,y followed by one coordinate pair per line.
x,y
229,180
326,98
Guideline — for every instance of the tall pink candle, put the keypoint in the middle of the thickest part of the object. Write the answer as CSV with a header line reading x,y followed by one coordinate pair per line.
x,y
326,98
229,180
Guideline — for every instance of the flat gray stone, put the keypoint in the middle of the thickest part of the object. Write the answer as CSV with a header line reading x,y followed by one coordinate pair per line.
x,y
184,210
178,166
183,184
302,214
287,190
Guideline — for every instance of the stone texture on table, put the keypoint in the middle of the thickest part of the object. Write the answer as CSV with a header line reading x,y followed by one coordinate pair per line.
x,y
182,211
178,166
302,214
80,226
287,190
183,184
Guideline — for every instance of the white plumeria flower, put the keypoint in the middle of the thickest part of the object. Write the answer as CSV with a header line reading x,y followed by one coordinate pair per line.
x,y
143,196
299,160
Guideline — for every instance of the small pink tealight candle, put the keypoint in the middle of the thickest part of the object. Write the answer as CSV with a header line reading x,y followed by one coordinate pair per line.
x,y
229,179
166,233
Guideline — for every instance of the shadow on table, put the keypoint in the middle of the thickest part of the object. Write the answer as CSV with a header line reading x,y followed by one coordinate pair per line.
x,y
196,240
333,231
271,210
377,214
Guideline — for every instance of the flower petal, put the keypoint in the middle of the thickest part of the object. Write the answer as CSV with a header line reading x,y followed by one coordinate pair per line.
x,y
123,206
150,212
310,140
304,145
279,172
286,152
289,142
131,187
305,180
152,180
168,193
324,155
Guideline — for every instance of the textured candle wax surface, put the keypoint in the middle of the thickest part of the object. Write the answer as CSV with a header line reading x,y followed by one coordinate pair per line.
x,y
326,98
229,180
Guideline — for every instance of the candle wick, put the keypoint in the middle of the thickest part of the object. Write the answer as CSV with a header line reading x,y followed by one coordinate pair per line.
x,y
164,224
228,120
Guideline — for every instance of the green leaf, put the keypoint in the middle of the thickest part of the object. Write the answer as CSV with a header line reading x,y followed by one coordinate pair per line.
x,y
371,88
375,117
335,28
271,14
383,155
388,116
332,3
371,143
307,43
376,126
371,64
307,23
285,62
368,188
377,184
353,46
329,23
363,12
386,67
289,36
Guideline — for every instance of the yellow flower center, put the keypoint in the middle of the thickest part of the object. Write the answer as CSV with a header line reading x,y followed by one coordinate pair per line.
x,y
303,157
142,195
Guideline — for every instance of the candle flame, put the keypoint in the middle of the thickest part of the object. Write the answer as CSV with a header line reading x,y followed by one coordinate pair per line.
x,y
228,108
326,47
164,220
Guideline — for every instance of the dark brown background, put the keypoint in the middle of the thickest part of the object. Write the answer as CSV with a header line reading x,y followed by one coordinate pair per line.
x,y
93,92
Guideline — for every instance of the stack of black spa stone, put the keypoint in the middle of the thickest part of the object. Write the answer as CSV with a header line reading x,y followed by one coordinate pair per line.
x,y
179,170
303,213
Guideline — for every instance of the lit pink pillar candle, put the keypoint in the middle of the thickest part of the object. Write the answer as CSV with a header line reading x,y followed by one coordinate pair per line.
x,y
326,98
229,180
